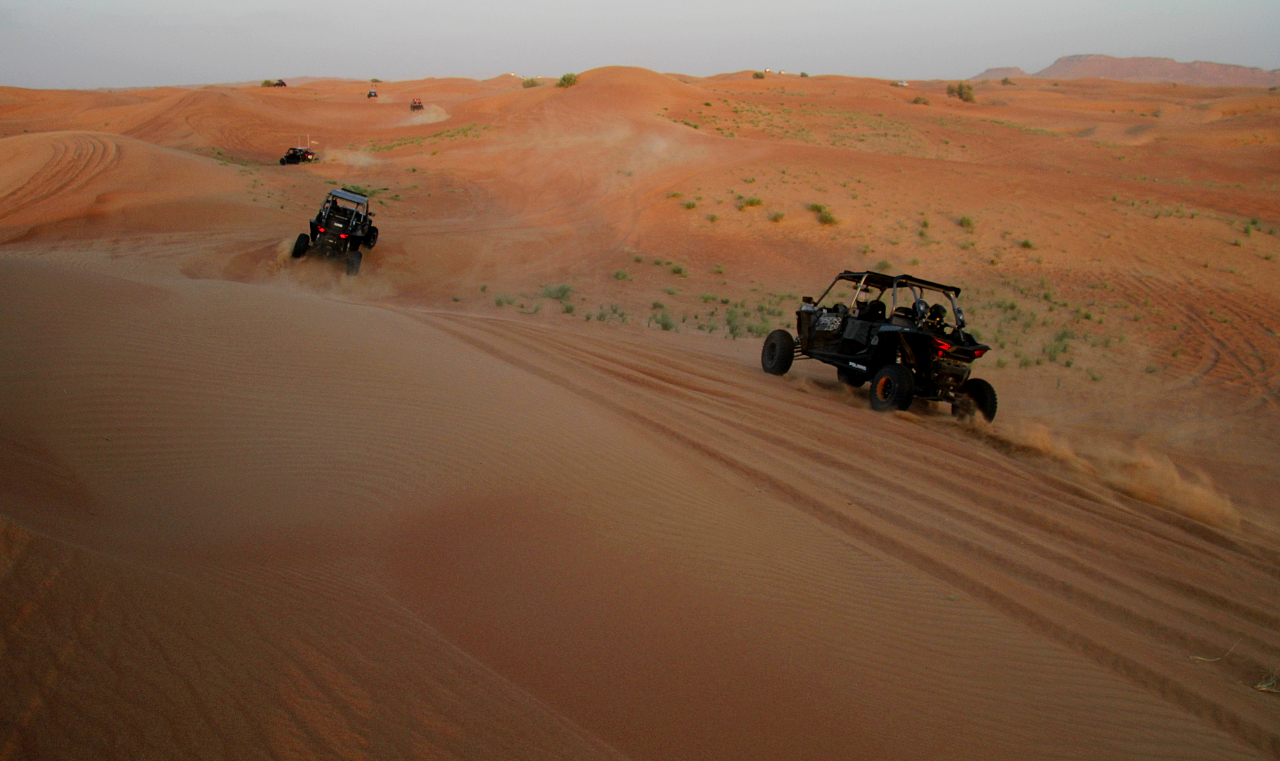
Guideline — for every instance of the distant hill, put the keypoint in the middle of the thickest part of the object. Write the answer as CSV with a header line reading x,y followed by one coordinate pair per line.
x,y
1147,70
1001,72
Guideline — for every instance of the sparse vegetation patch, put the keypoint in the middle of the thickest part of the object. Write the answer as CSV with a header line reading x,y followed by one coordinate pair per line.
x,y
963,91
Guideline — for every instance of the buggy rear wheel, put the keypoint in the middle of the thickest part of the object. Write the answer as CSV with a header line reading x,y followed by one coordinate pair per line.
x,y
282,162
981,395
353,263
892,388
300,245
778,352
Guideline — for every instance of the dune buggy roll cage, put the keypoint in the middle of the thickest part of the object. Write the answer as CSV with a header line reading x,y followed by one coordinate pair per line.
x,y
359,202
883,283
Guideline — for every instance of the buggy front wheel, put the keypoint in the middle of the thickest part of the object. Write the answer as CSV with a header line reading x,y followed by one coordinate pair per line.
x,y
892,388
778,352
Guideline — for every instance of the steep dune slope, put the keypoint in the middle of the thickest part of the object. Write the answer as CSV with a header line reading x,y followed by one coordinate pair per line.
x,y
658,549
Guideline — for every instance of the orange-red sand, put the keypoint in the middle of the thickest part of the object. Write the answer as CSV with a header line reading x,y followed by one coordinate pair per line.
x,y
251,507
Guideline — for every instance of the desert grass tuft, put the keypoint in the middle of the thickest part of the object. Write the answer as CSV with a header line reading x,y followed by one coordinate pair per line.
x,y
557,292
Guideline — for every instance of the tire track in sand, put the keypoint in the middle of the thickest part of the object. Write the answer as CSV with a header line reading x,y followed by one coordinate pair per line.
x,y
77,158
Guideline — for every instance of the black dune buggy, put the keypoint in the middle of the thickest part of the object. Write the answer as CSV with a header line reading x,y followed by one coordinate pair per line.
x,y
416,105
372,94
890,334
343,224
298,156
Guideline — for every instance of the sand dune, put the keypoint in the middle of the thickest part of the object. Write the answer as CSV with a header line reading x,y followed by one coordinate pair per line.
x,y
251,507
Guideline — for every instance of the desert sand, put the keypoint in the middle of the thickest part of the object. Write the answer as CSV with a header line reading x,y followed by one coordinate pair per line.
x,y
520,489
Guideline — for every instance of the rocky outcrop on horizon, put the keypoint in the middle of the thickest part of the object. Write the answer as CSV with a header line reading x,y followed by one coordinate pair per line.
x,y
1000,72
1203,73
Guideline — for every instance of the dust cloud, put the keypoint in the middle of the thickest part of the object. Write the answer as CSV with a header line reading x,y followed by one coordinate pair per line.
x,y
1130,468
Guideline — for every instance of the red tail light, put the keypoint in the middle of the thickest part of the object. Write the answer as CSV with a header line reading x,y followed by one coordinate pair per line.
x,y
321,229
943,346
342,235
978,353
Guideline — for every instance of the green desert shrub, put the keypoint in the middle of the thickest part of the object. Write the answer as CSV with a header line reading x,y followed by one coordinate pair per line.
x,y
568,80
963,91
920,100
805,74
557,292
1006,81
824,214
267,83
758,75
530,82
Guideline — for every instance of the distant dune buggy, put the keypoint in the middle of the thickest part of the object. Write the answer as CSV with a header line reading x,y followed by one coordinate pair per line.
x,y
343,224
298,156
907,347
372,94
416,105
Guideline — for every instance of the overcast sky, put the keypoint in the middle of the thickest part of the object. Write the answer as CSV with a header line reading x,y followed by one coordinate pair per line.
x,y
117,43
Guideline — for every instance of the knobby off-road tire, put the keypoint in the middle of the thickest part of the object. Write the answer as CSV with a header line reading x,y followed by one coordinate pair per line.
x,y
850,377
353,262
300,245
778,352
892,388
371,239
983,396
283,162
